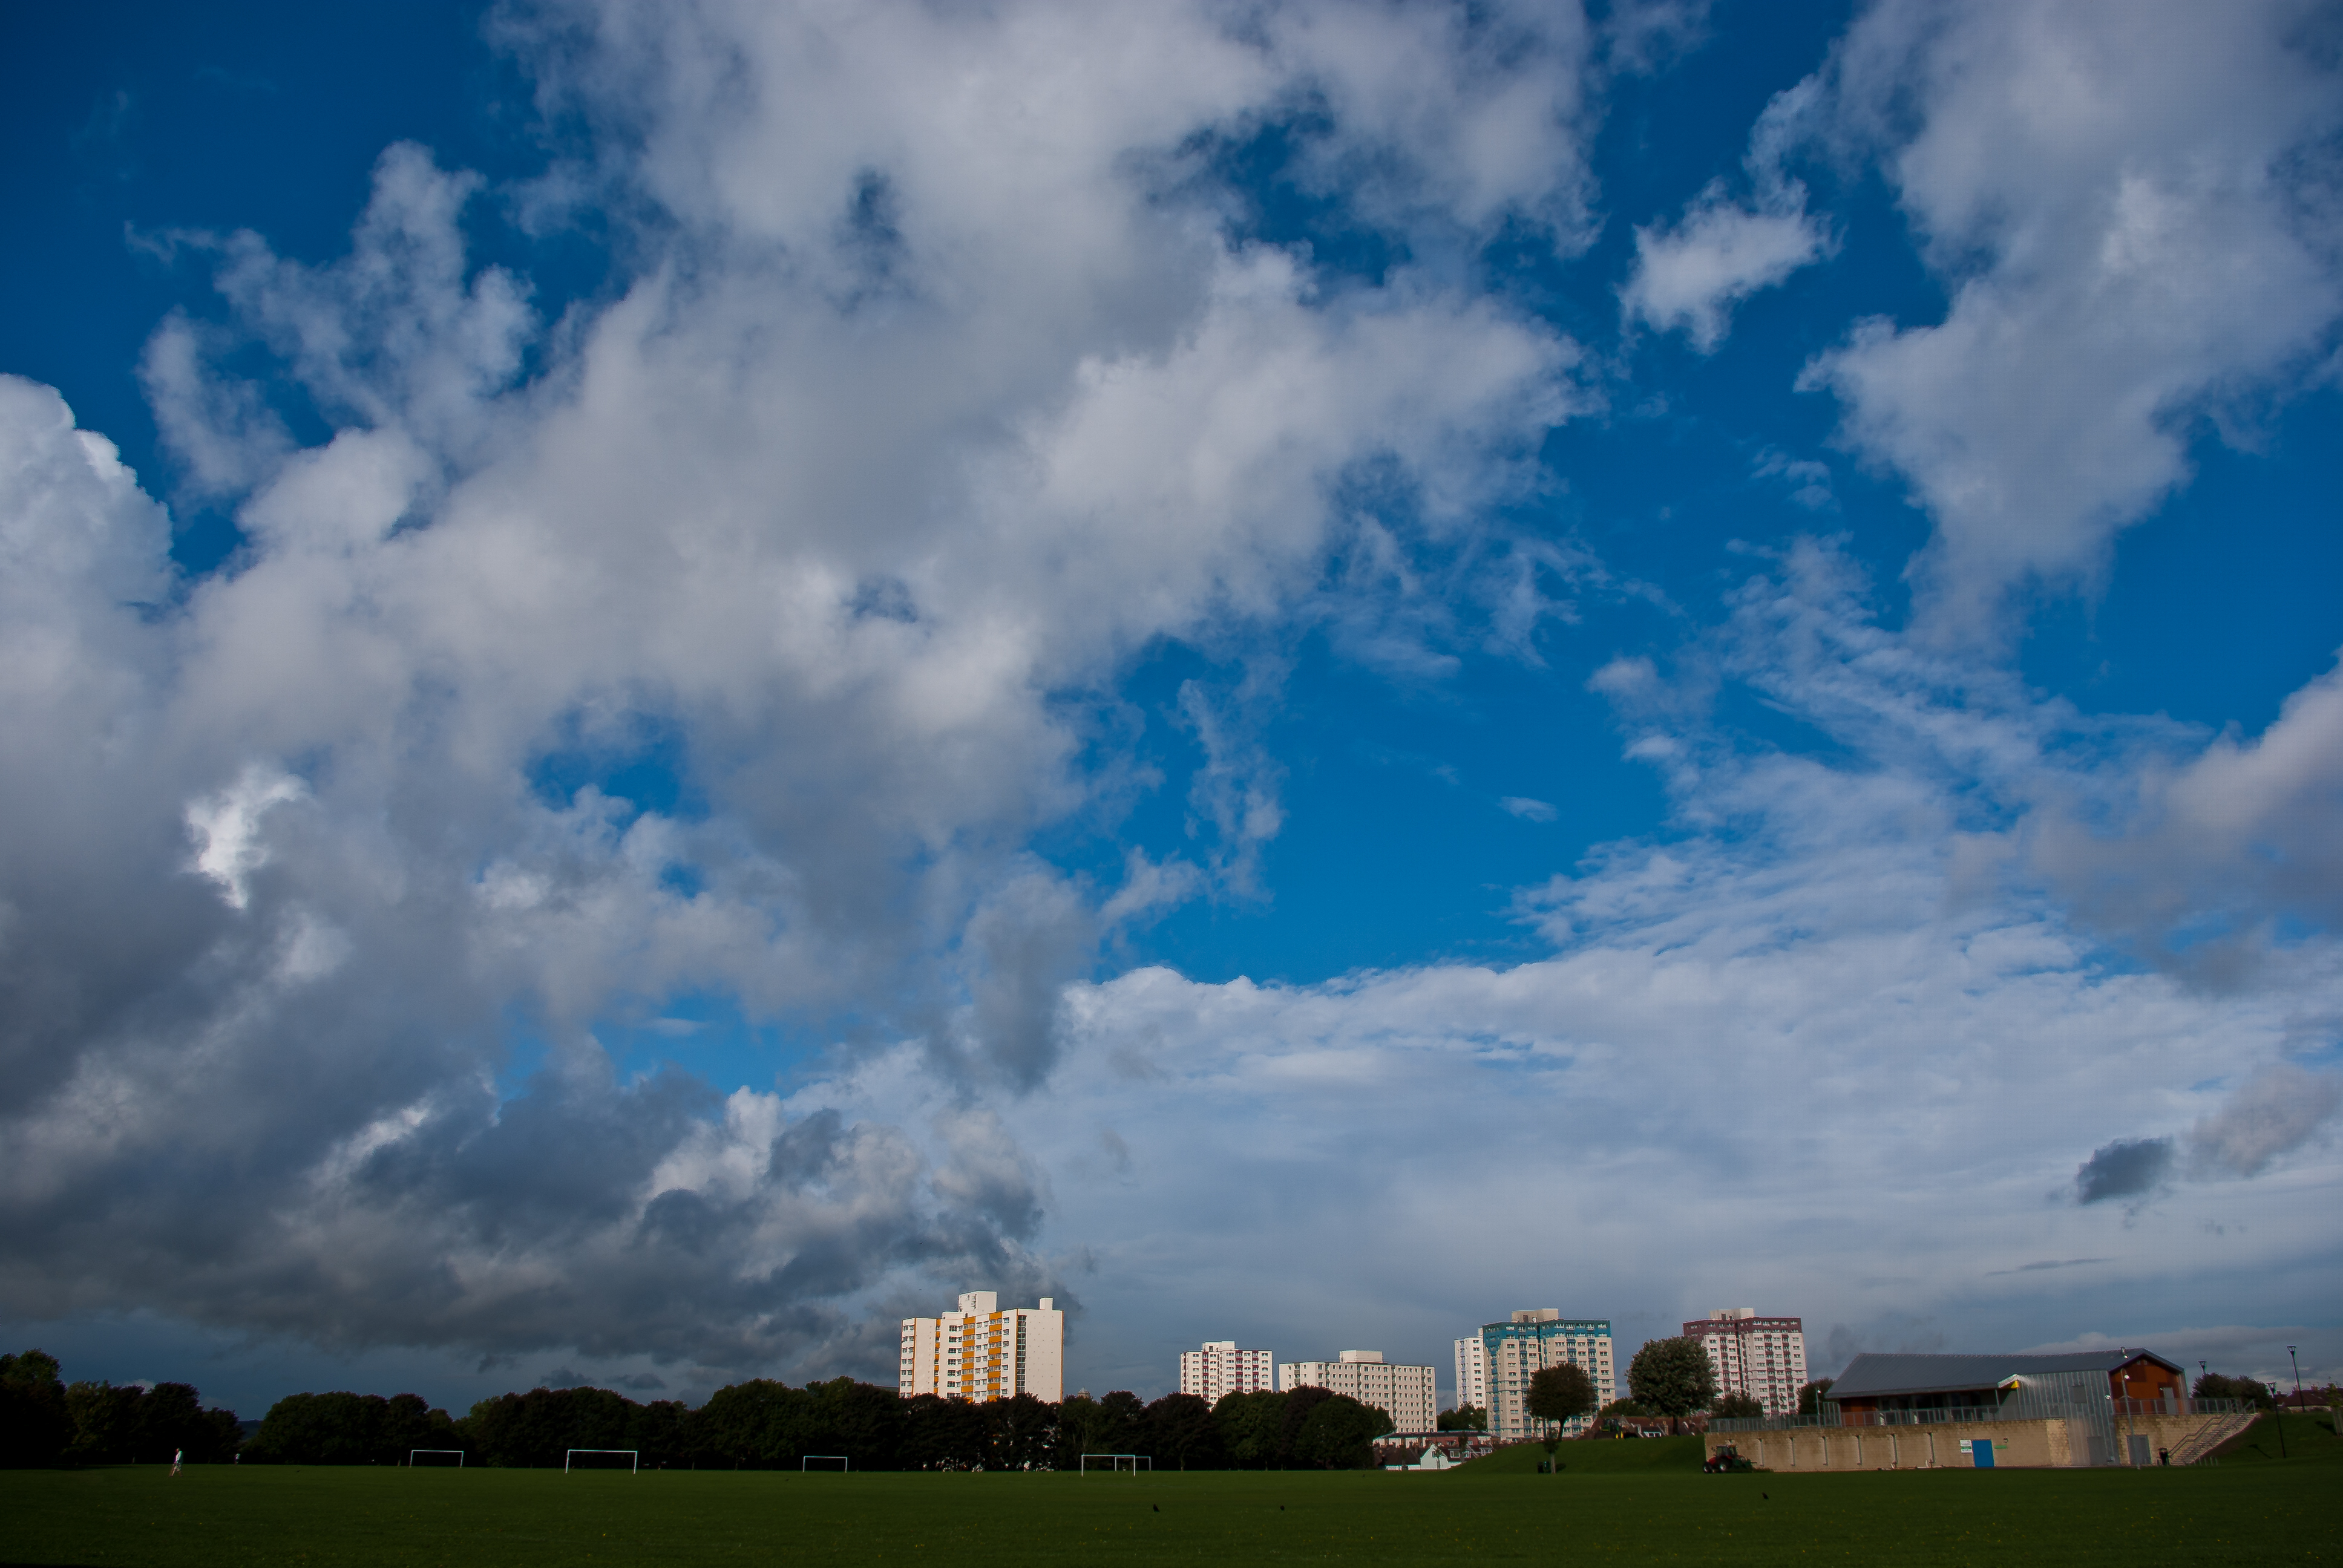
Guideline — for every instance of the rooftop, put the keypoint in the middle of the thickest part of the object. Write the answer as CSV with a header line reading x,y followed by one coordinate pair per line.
x,y
1872,1375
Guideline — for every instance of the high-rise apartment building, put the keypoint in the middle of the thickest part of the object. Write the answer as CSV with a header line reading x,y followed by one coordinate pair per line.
x,y
1513,1352
1405,1393
1765,1358
1473,1373
980,1353
1220,1368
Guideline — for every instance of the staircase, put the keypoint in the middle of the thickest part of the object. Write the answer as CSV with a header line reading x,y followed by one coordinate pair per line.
x,y
2215,1431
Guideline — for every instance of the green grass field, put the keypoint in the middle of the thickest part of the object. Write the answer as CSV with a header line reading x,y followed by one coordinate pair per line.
x,y
1625,1501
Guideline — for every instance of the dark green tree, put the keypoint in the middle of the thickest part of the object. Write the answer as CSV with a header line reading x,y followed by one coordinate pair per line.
x,y
1338,1434
35,1426
170,1419
1737,1407
105,1423
1019,1433
1076,1413
1299,1404
1812,1395
2213,1385
1559,1394
1116,1424
1464,1418
861,1421
1252,1428
657,1432
941,1433
539,1428
753,1425
1181,1434
345,1428
1673,1376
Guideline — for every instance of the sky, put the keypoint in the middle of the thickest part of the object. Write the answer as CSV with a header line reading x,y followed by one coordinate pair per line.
x,y
683,676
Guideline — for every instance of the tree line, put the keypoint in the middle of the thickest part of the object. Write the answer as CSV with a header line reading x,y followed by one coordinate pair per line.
x,y
44,1420
765,1424
761,1424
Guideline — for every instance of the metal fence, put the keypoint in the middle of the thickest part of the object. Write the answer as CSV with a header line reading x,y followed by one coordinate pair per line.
x,y
2099,1413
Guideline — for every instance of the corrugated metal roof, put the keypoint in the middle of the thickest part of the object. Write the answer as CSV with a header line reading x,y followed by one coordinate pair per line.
x,y
1871,1376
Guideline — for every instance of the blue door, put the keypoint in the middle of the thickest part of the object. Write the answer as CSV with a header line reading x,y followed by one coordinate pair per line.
x,y
1981,1454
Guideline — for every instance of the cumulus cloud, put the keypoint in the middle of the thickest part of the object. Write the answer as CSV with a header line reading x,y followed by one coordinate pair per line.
x,y
2274,1112
743,633
934,386
1689,275
2202,853
1465,112
2133,213
1831,1031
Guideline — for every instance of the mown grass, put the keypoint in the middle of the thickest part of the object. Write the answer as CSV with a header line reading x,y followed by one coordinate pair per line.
x,y
1629,1501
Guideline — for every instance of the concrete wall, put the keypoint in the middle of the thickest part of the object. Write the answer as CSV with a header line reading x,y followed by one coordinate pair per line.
x,y
1937,1446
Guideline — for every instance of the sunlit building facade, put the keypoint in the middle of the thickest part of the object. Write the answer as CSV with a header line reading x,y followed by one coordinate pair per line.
x,y
980,1353
1220,1368
1513,1352
1765,1358
1405,1393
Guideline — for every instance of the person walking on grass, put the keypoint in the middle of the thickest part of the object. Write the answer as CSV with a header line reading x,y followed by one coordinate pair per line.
x,y
176,1456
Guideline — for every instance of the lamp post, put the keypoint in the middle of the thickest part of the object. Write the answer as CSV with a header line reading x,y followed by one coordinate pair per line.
x,y
2298,1376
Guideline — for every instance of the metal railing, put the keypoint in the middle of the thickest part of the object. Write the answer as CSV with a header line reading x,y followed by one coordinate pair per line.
x,y
2019,1408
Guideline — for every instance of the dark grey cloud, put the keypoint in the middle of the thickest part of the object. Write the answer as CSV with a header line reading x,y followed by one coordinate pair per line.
x,y
2124,1169
2051,1263
570,1377
2278,1109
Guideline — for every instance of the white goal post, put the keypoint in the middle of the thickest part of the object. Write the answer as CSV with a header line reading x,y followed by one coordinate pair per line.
x,y
456,1452
634,1460
1119,1462
839,1459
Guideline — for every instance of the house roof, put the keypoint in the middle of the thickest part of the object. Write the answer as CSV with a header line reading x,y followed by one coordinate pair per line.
x,y
1873,1376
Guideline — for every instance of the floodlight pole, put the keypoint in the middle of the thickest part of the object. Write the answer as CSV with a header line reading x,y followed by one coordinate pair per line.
x,y
2279,1418
2298,1376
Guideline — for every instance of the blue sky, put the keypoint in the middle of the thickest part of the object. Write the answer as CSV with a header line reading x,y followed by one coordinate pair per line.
x,y
1299,671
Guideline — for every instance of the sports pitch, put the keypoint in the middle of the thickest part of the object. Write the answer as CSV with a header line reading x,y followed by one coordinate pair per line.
x,y
1629,1501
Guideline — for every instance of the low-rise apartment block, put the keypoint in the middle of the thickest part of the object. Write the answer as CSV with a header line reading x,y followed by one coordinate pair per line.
x,y
1405,1393
1220,1368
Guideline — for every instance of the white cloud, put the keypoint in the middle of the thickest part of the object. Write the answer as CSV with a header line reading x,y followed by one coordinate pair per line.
x,y
939,393
934,390
2202,854
1689,275
1465,112
1527,809
2274,1112
2132,214
227,829
1830,1044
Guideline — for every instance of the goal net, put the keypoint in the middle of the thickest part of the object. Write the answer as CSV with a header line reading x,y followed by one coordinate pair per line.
x,y
1133,1463
440,1458
826,1460
600,1459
